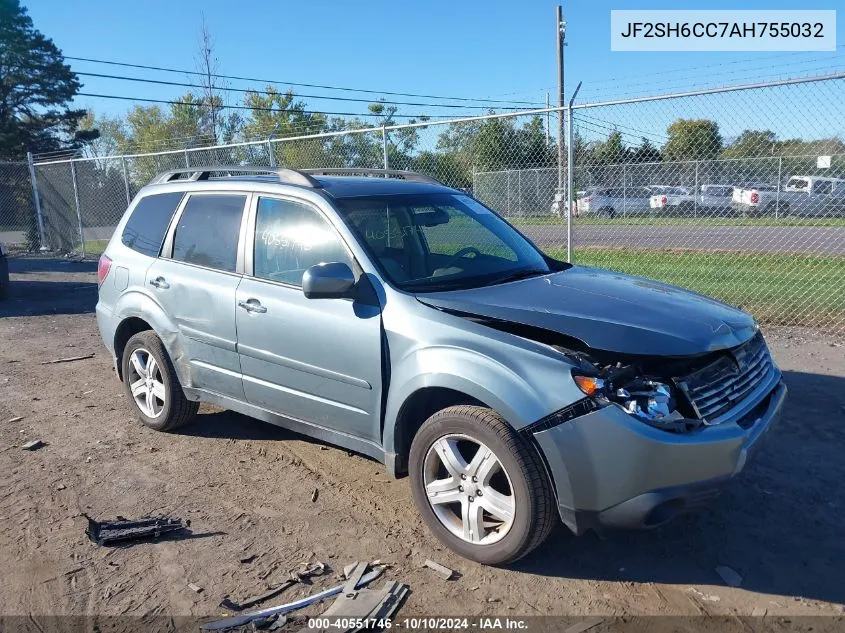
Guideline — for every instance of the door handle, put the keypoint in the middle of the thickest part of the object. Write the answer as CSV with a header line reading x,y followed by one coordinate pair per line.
x,y
159,282
252,305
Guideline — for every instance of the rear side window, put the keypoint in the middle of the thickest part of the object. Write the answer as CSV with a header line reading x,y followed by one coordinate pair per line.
x,y
208,230
144,231
823,187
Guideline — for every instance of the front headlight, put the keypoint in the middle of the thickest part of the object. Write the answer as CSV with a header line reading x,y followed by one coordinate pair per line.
x,y
646,399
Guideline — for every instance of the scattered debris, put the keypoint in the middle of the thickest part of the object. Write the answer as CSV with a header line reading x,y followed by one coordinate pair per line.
x,y
15,419
296,577
120,531
315,494
365,604
70,359
493,600
85,393
194,588
442,570
731,578
584,625
33,445
247,559
246,618
61,487
705,597
88,460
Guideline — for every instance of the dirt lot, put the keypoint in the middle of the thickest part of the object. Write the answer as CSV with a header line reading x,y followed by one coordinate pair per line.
x,y
247,489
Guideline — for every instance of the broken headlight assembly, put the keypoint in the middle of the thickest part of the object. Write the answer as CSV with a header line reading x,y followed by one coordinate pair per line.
x,y
647,399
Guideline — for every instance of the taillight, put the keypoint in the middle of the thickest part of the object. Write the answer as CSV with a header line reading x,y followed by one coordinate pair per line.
x,y
664,200
103,267
588,199
755,197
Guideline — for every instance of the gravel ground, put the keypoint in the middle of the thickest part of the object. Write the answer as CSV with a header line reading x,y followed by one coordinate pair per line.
x,y
247,488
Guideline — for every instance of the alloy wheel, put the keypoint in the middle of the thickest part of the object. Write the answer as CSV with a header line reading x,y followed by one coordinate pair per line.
x,y
468,489
146,383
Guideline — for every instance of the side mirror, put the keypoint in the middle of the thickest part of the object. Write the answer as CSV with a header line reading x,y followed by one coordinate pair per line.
x,y
328,281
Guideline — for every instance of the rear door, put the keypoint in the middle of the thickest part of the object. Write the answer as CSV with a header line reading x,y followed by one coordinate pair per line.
x,y
195,280
315,360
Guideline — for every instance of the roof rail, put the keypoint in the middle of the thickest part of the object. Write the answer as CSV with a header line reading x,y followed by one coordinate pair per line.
x,y
364,171
287,176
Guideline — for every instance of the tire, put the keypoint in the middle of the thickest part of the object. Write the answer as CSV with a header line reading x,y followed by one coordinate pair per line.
x,y
175,409
608,212
516,466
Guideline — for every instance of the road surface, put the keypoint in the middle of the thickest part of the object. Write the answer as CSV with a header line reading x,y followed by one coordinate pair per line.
x,y
813,240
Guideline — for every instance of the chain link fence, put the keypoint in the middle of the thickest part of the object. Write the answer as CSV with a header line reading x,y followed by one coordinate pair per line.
x,y
736,193
18,220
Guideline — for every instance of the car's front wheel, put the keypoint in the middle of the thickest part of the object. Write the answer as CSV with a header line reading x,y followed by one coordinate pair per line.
x,y
479,487
151,384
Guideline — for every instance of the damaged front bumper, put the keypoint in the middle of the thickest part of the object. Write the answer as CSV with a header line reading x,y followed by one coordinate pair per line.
x,y
610,469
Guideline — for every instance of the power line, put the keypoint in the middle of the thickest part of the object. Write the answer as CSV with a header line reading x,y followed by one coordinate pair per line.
x,y
231,107
291,83
304,96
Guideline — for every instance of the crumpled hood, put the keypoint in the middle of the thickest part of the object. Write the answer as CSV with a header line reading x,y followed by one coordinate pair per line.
x,y
608,311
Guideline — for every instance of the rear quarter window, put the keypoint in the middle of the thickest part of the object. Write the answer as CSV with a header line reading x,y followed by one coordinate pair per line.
x,y
145,229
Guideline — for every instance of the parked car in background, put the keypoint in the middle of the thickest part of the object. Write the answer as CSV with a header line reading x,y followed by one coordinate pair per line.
x,y
612,201
675,199
389,314
715,199
802,195
4,271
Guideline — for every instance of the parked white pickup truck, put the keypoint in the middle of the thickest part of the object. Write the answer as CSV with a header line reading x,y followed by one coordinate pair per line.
x,y
802,195
678,199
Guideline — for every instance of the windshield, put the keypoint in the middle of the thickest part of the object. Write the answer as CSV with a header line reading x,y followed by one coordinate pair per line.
x,y
440,241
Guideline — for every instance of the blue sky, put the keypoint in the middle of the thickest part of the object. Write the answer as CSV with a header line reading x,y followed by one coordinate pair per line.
x,y
493,49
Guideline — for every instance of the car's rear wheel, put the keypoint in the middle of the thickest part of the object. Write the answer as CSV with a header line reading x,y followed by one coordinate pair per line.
x,y
608,212
480,488
151,384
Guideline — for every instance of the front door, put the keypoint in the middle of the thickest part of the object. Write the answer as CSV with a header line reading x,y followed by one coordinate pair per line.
x,y
195,281
316,360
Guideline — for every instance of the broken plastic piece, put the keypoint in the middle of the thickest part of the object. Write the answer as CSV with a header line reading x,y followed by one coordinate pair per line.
x,y
110,532
317,569
34,445
246,618
442,570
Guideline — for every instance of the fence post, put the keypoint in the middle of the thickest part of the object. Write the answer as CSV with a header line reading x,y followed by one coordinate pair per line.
x,y
570,180
187,162
624,189
78,210
270,151
38,216
126,179
777,194
695,193
384,146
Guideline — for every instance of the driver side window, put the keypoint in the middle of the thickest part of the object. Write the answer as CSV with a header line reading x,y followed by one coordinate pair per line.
x,y
290,237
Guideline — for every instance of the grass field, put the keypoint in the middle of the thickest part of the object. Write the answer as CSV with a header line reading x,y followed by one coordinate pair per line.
x,y
670,221
788,290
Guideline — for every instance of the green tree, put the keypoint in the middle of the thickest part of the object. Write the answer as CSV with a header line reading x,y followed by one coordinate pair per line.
x,y
752,143
645,153
692,139
610,151
36,87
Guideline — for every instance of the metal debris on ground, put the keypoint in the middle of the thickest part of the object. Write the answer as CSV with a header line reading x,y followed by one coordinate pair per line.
x,y
194,588
15,419
121,530
296,577
364,604
246,618
444,572
731,578
69,359
315,494
584,625
34,445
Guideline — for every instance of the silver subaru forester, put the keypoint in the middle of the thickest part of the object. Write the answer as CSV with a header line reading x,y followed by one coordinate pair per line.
x,y
386,313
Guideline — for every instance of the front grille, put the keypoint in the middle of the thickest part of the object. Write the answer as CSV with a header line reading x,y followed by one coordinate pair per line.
x,y
724,383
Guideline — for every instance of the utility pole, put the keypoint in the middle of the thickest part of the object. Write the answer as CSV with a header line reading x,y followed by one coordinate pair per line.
x,y
548,120
560,33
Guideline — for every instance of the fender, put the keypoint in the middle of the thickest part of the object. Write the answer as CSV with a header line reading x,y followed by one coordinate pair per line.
x,y
479,376
136,303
